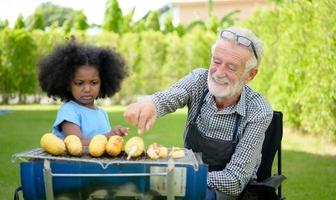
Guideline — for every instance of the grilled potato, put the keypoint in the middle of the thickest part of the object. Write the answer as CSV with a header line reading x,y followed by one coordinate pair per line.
x,y
52,144
156,151
73,145
177,152
134,147
114,145
152,154
163,152
97,145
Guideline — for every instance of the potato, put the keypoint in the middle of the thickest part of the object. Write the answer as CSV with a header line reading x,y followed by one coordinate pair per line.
x,y
52,144
73,145
152,154
156,151
163,152
114,145
134,147
177,152
97,145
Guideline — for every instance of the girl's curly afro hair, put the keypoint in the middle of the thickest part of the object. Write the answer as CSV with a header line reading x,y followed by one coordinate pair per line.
x,y
55,71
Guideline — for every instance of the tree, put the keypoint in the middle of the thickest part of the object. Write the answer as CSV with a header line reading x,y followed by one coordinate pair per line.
x,y
37,22
113,17
67,25
213,24
180,29
168,24
17,69
52,13
300,63
80,21
139,26
128,24
228,19
152,21
4,24
19,23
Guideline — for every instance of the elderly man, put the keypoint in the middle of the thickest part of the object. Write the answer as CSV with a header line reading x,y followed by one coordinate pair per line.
x,y
227,120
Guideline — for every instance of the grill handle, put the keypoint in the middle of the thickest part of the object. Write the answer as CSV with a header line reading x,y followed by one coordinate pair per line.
x,y
16,193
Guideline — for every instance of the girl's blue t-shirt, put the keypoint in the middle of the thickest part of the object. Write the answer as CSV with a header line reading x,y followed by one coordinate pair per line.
x,y
92,121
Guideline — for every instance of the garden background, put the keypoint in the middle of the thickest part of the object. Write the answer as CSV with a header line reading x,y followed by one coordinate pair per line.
x,y
296,76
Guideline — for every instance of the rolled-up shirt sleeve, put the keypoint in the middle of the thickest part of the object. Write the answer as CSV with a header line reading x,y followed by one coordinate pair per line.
x,y
179,94
66,113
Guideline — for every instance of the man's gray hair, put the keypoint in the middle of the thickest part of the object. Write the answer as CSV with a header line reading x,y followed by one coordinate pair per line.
x,y
253,62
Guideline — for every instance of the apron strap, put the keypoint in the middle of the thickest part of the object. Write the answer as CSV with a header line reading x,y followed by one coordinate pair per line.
x,y
237,123
238,117
205,92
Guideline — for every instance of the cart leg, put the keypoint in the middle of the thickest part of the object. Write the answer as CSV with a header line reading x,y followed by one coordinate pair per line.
x,y
170,180
47,176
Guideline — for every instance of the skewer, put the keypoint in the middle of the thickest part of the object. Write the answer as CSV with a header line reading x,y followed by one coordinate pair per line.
x,y
132,151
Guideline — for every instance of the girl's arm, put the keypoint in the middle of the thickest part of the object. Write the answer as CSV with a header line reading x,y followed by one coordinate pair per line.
x,y
70,128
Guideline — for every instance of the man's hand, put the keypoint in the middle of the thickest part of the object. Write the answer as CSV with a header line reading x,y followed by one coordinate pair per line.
x,y
141,114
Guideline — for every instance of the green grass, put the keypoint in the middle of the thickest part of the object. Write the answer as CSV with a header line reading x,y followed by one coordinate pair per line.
x,y
309,164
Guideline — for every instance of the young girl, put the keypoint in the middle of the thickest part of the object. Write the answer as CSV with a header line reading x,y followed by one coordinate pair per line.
x,y
79,74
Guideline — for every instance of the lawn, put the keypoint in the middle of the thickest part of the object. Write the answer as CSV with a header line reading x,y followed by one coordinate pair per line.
x,y
308,163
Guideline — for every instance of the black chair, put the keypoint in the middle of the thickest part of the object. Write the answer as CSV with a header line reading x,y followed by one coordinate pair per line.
x,y
268,186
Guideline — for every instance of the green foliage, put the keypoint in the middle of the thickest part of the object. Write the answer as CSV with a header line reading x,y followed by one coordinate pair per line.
x,y
37,22
52,13
113,18
152,58
3,24
168,24
139,26
199,24
152,21
19,23
54,26
105,39
180,29
198,48
176,63
228,19
128,23
17,62
171,56
213,24
277,1
67,25
80,21
299,64
129,47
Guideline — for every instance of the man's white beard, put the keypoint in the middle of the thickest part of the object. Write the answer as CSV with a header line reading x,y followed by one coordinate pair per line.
x,y
223,88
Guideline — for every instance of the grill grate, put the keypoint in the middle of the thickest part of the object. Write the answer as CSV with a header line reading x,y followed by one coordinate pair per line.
x,y
105,160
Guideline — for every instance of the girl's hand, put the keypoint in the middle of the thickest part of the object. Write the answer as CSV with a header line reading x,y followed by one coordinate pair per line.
x,y
118,130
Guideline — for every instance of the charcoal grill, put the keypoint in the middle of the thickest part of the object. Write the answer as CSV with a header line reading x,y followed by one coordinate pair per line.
x,y
44,176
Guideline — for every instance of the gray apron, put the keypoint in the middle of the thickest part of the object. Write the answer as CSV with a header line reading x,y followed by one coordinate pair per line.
x,y
216,153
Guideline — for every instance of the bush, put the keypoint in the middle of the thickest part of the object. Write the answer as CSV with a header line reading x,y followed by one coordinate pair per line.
x,y
298,71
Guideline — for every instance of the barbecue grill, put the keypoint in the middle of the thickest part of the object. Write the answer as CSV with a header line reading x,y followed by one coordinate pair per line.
x,y
44,176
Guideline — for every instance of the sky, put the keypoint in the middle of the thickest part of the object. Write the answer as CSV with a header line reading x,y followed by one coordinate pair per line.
x,y
93,9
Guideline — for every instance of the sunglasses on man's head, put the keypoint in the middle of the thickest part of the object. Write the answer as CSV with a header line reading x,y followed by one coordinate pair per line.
x,y
226,34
